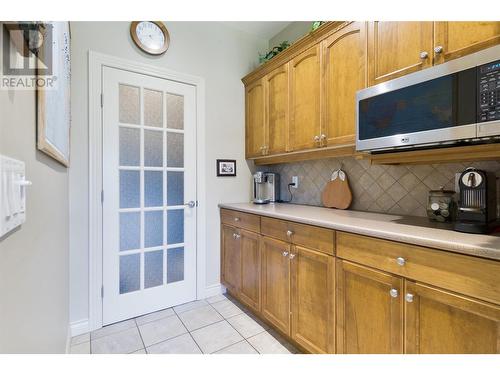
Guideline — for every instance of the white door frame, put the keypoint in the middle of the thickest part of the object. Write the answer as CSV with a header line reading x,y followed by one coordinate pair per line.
x,y
96,62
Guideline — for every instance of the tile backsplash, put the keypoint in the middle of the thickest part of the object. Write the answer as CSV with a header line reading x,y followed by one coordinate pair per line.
x,y
395,189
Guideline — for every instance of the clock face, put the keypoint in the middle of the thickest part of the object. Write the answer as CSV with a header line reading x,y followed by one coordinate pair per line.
x,y
151,37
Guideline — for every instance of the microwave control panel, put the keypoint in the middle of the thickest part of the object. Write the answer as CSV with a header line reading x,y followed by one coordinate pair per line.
x,y
489,91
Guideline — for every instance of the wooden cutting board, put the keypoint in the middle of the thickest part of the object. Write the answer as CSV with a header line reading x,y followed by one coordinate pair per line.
x,y
337,193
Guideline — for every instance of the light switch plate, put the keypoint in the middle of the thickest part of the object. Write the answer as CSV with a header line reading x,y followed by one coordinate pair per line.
x,y
12,194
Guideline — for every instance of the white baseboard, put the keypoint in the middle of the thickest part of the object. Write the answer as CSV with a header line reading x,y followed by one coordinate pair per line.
x,y
79,327
68,340
214,290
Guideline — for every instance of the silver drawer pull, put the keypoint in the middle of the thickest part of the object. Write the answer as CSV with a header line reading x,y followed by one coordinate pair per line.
x,y
292,256
285,253
289,233
394,293
409,297
236,219
400,261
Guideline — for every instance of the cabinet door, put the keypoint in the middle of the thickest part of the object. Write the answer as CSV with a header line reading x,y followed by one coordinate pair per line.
x,y
277,91
369,310
456,39
313,311
305,126
438,321
250,269
344,57
398,48
276,283
231,258
255,120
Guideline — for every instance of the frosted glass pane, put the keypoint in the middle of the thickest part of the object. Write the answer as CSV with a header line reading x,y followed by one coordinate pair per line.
x,y
153,228
175,226
129,189
130,147
130,230
175,111
153,268
129,105
153,189
130,272
175,265
153,108
175,150
153,148
175,188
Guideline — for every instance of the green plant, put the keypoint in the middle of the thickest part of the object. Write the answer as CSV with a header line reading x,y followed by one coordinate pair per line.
x,y
316,24
273,52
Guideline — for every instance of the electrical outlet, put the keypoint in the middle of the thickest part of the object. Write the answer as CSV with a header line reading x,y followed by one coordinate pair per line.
x,y
295,182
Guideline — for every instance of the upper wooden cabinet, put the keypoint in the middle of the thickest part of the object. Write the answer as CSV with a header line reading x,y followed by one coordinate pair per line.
x,y
305,119
277,104
255,130
369,311
313,300
441,322
398,48
457,39
344,63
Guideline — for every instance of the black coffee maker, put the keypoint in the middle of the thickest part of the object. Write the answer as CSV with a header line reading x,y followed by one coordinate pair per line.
x,y
477,206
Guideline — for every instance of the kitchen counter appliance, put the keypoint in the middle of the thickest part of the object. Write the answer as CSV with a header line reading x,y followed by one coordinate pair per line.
x,y
266,187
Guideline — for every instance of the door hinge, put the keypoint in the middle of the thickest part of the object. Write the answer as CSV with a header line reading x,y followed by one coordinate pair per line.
x,y
102,196
102,291
102,100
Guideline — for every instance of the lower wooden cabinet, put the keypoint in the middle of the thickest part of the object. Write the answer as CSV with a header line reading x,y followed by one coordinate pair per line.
x,y
231,258
250,269
313,300
276,283
439,321
369,310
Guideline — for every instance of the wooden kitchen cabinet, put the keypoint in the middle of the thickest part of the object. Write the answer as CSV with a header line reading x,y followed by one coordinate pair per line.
x,y
313,307
398,48
231,258
442,322
277,105
344,73
457,39
255,127
276,283
305,118
369,310
250,269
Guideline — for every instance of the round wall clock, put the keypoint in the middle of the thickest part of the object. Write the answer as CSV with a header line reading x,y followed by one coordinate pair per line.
x,y
150,36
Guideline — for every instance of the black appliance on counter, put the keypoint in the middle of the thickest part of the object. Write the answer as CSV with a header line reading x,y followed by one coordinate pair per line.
x,y
477,206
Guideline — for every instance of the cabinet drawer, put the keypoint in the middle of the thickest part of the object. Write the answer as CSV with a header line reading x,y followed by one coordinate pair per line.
x,y
240,220
464,274
308,236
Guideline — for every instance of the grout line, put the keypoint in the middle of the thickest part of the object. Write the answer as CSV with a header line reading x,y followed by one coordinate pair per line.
x,y
192,338
140,335
225,347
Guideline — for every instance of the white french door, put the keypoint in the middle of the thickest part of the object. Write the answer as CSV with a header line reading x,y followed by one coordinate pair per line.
x,y
149,177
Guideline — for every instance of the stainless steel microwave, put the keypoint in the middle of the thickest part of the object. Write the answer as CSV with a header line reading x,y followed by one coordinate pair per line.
x,y
455,102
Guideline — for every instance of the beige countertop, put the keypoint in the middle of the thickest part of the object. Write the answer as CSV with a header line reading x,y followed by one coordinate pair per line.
x,y
412,230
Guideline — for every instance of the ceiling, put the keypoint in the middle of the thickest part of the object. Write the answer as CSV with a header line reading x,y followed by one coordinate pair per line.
x,y
262,29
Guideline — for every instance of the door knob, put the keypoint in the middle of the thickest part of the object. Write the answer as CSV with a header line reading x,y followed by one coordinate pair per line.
x,y
409,297
394,293
424,55
438,49
190,204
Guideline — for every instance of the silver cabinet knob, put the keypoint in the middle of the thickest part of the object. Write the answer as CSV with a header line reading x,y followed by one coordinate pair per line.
x,y
424,55
236,219
316,138
394,293
236,236
323,136
409,297
438,49
289,233
292,256
400,261
285,253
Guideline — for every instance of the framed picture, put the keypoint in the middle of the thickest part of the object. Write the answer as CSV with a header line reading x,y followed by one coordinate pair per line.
x,y
226,168
53,105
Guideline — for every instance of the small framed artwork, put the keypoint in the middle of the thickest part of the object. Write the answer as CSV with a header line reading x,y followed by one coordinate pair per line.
x,y
226,168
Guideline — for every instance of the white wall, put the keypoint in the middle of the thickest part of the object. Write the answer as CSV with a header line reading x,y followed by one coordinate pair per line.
x,y
34,260
292,32
210,50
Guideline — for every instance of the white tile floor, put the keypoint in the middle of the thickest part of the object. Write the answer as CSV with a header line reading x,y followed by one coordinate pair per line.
x,y
217,325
